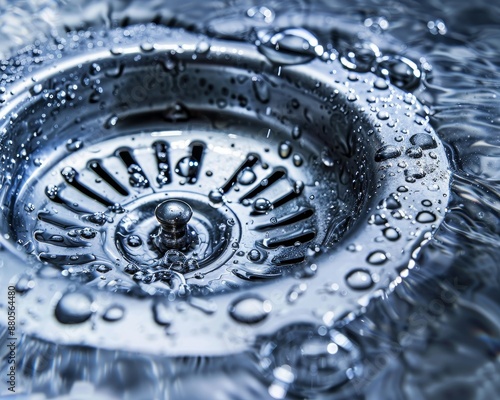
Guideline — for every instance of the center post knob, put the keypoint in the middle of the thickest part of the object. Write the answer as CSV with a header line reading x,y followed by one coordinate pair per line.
x,y
173,217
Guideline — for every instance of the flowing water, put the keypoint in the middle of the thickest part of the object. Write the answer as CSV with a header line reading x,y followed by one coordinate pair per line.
x,y
433,332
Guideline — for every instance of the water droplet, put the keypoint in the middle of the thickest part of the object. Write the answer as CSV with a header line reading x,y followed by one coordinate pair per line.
x,y
296,132
424,141
74,144
187,167
116,51
359,57
254,255
391,234
88,233
134,241
202,47
74,308
327,158
162,314
24,284
401,71
261,13
426,203
147,47
111,122
246,176
284,149
98,218
414,152
383,115
295,292
298,187
262,205
359,279
102,268
131,269
289,46
425,217
390,203
377,219
37,89
30,207
297,160
114,313
261,89
387,152
377,257
176,113
352,97
69,174
250,309
215,196
380,84
413,173
94,69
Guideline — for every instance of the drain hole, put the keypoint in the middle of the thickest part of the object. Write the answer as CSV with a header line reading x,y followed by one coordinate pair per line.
x,y
290,240
95,166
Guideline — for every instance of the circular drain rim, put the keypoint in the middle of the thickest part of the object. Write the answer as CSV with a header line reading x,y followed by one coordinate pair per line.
x,y
326,299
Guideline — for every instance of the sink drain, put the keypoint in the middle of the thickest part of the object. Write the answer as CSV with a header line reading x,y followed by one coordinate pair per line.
x,y
200,186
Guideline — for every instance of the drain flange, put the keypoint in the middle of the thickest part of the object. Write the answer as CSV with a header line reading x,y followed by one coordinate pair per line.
x,y
310,188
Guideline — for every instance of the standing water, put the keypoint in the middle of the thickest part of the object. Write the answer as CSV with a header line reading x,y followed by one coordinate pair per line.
x,y
239,200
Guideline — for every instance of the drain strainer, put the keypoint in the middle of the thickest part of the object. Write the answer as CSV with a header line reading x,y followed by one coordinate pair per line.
x,y
198,192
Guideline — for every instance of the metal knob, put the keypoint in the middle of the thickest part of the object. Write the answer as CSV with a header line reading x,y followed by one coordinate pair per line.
x,y
173,216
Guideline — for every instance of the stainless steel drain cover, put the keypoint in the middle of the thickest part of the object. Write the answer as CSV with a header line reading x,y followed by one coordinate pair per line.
x,y
198,193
